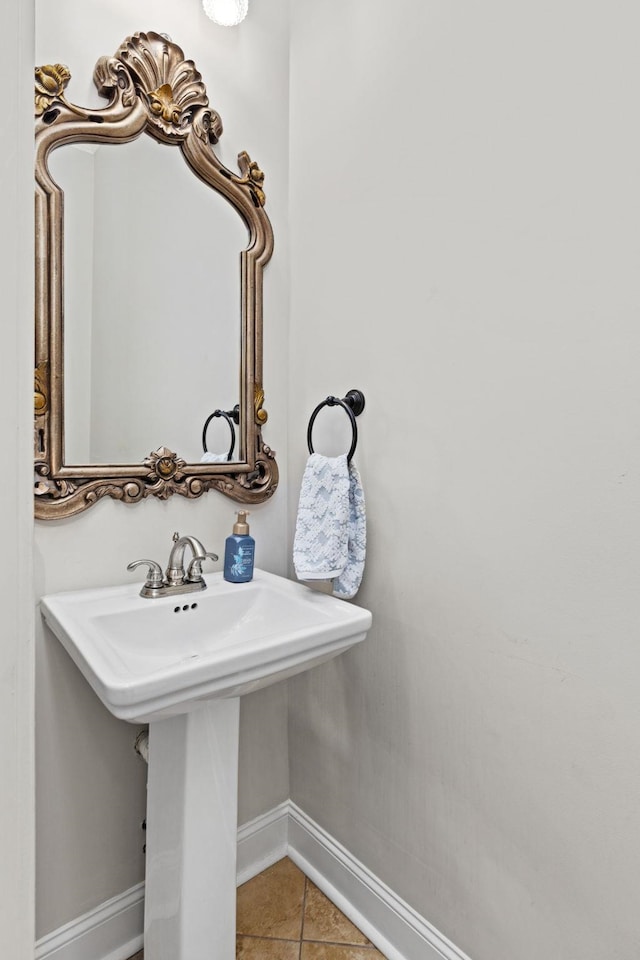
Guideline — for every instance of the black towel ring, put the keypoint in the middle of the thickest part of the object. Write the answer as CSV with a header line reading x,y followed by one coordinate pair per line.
x,y
352,404
230,416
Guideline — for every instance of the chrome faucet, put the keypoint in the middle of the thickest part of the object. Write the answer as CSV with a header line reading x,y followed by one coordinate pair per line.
x,y
176,580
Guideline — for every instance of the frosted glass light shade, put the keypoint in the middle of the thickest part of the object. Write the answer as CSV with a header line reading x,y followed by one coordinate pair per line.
x,y
226,12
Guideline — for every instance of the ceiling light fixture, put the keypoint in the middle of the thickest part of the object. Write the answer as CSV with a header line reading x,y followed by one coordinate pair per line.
x,y
226,12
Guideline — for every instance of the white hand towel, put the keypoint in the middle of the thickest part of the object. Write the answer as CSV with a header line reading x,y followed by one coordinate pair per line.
x,y
348,583
213,458
330,539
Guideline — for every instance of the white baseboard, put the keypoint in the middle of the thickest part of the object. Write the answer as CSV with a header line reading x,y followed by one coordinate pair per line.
x,y
113,931
262,841
395,928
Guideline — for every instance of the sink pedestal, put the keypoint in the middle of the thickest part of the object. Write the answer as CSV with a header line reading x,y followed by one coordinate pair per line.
x,y
190,897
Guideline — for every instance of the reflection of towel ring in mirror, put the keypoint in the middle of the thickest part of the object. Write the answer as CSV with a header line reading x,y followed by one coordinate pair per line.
x,y
352,404
231,416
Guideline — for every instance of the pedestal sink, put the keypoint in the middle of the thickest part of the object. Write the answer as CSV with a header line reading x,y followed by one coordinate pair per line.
x,y
181,664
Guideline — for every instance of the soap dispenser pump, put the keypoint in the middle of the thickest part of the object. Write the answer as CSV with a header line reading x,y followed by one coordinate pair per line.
x,y
239,551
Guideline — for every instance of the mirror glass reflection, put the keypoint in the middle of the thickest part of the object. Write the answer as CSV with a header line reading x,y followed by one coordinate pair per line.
x,y
152,304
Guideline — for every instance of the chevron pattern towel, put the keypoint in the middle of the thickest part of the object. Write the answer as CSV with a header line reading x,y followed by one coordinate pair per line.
x,y
331,536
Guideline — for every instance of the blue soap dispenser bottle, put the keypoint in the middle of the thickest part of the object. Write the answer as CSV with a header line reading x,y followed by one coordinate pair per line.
x,y
239,549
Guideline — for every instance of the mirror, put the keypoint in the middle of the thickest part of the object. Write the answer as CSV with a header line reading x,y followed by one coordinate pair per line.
x,y
127,372
168,380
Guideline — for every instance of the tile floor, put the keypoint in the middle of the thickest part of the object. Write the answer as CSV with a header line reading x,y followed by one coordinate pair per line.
x,y
283,916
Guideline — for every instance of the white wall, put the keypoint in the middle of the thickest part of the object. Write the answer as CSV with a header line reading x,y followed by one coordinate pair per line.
x,y
16,431
90,784
465,227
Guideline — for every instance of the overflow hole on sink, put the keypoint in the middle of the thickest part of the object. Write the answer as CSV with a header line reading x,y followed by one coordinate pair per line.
x,y
187,606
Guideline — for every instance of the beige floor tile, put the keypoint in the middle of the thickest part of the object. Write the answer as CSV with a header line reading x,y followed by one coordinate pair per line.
x,y
333,951
323,921
257,948
270,905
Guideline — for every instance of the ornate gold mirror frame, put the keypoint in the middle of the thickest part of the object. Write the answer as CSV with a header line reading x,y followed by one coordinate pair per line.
x,y
151,89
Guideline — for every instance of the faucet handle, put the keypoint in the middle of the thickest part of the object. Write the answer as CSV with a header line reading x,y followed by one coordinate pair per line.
x,y
154,579
194,570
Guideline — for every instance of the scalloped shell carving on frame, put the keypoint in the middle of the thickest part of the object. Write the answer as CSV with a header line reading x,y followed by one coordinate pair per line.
x,y
171,86
150,88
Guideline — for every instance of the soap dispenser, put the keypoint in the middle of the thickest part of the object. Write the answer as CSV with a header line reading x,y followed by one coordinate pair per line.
x,y
238,551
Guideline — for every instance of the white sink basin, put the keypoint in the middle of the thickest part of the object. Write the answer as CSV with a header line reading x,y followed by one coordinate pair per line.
x,y
149,659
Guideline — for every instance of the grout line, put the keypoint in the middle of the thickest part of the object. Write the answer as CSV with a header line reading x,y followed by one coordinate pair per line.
x,y
341,943
304,910
257,936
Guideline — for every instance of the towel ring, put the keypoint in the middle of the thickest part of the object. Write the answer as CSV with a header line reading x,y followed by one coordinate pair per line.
x,y
352,404
230,416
